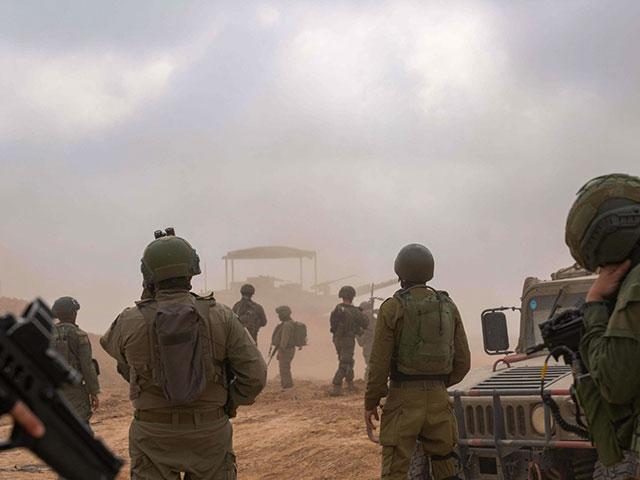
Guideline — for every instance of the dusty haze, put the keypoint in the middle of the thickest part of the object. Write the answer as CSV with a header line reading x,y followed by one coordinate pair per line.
x,y
350,128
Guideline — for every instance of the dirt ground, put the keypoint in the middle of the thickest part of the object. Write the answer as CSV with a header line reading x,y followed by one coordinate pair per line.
x,y
299,434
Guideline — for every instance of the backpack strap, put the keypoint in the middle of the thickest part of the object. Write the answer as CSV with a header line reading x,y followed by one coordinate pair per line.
x,y
216,334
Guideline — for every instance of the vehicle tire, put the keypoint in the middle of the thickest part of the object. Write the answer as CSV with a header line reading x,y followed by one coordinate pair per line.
x,y
419,466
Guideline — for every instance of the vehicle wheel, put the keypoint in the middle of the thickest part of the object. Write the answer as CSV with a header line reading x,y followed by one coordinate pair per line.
x,y
419,466
579,466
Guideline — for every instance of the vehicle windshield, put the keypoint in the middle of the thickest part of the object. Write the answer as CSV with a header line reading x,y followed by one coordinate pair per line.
x,y
539,308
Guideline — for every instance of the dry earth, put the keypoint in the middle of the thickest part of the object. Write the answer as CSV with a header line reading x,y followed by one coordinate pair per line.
x,y
298,434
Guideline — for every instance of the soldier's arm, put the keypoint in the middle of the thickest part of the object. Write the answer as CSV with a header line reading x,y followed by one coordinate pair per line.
x,y
381,353
86,365
111,343
462,354
236,308
611,354
333,322
246,362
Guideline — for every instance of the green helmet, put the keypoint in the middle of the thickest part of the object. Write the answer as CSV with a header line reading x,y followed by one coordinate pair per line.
x,y
65,308
603,225
247,289
283,311
169,257
347,292
414,263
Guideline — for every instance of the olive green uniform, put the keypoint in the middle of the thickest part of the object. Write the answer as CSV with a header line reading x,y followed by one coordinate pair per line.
x,y
414,408
74,345
347,321
194,438
610,348
286,352
366,340
260,318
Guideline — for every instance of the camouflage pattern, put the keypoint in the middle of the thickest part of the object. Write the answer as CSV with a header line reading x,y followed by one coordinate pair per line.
x,y
241,307
344,331
74,345
194,438
413,407
610,348
603,225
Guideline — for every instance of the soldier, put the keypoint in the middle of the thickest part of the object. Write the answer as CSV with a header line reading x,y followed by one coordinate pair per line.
x,y
347,322
603,234
366,339
250,313
421,346
73,344
178,351
282,341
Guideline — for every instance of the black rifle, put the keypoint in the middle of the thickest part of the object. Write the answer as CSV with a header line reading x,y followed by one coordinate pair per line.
x,y
33,372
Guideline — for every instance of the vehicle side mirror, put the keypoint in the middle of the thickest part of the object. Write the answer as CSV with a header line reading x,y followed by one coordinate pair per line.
x,y
495,333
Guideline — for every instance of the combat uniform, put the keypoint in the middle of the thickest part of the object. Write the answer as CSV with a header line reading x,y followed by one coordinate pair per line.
x,y
284,338
74,345
416,406
610,349
195,438
251,315
347,321
366,339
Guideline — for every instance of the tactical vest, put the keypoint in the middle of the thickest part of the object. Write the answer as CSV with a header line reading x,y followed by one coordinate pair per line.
x,y
177,366
67,342
425,344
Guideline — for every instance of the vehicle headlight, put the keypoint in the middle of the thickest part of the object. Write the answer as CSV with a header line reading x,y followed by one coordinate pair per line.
x,y
537,419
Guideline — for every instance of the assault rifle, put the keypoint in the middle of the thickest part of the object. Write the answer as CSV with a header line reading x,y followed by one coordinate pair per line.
x,y
561,335
273,349
33,372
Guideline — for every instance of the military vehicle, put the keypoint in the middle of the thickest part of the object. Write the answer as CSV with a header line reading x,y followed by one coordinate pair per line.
x,y
505,430
318,299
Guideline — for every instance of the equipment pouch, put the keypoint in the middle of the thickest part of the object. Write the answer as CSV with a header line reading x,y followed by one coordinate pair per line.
x,y
178,353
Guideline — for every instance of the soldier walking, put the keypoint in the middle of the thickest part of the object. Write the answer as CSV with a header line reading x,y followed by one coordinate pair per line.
x,y
283,343
74,345
178,351
250,313
347,322
420,346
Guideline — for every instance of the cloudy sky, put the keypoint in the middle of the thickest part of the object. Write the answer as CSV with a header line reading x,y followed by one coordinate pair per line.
x,y
347,127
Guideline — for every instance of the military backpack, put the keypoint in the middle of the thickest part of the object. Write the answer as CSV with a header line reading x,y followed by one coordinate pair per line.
x,y
427,334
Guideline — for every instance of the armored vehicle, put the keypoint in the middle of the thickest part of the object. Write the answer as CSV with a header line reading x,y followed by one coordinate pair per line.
x,y
505,430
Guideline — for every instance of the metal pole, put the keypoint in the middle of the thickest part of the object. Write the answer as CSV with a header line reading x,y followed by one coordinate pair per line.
x,y
233,271
226,274
300,271
315,268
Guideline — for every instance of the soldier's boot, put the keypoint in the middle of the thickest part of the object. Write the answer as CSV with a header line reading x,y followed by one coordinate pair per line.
x,y
351,388
336,391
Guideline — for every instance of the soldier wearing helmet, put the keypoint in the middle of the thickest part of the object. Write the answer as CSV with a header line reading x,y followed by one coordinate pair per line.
x,y
250,313
346,322
189,363
419,349
603,235
283,342
74,345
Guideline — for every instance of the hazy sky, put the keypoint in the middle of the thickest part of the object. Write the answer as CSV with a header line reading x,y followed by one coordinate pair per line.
x,y
347,127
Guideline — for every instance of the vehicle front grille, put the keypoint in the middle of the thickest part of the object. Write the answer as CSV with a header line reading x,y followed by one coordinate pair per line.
x,y
522,378
479,421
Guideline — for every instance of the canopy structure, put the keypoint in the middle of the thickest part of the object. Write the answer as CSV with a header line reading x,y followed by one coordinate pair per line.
x,y
268,253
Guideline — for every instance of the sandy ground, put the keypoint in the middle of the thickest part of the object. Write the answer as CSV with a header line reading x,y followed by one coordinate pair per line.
x,y
299,434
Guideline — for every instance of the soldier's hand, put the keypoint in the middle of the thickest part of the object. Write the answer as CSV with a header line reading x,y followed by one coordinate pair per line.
x,y
95,402
27,419
369,415
608,281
